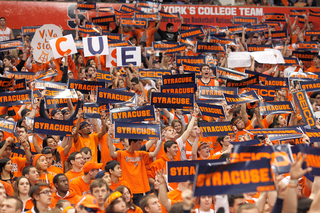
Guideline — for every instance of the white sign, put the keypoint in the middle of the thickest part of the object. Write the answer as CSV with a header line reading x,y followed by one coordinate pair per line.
x,y
128,55
111,59
62,45
239,59
264,57
278,55
40,43
95,45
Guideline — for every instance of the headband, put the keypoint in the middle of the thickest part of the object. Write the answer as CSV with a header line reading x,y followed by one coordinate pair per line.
x,y
111,198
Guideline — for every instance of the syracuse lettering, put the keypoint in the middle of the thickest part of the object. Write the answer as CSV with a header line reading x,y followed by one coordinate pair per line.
x,y
50,85
18,76
234,177
184,170
313,160
6,125
169,100
190,61
216,128
234,100
178,80
11,44
275,107
244,20
229,74
136,131
131,114
257,48
187,34
93,110
274,83
216,92
78,86
54,101
11,98
101,20
157,46
113,96
210,47
88,6
56,127
311,86
179,90
211,110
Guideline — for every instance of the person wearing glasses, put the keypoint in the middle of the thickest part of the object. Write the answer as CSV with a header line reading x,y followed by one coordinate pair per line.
x,y
75,159
41,197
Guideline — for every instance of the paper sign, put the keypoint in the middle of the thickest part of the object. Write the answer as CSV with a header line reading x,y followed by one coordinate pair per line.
x,y
128,55
95,45
239,59
63,45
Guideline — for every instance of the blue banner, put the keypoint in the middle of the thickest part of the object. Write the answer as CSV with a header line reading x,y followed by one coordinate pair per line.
x,y
215,111
192,33
313,134
190,68
244,20
15,98
275,17
86,6
247,97
85,86
282,130
291,61
308,46
230,74
93,110
133,114
103,76
210,129
103,20
20,75
312,158
11,44
253,142
52,127
178,79
137,131
20,84
7,125
269,108
179,88
204,47
222,41
182,171
39,84
310,86
255,47
175,101
209,92
153,74
302,100
277,34
113,96
113,36
190,59
266,92
29,30
256,28
233,178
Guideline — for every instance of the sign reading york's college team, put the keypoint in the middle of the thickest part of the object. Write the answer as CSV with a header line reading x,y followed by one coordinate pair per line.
x,y
137,131
178,79
85,86
269,108
209,92
211,110
113,96
210,129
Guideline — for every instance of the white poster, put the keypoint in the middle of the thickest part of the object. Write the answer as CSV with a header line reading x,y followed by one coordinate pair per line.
x,y
111,59
128,55
95,45
40,43
62,45
239,59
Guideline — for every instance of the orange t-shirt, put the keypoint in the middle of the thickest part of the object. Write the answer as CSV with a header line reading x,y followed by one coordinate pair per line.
x,y
47,178
175,195
72,197
138,210
72,175
212,82
28,205
134,170
79,186
162,152
105,158
54,170
120,183
18,164
313,69
160,164
92,142
7,187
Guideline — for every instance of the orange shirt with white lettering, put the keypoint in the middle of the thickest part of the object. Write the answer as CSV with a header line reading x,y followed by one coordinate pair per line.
x,y
72,175
92,142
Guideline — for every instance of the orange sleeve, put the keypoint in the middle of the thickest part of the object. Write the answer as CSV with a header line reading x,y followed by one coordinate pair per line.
x,y
75,185
7,187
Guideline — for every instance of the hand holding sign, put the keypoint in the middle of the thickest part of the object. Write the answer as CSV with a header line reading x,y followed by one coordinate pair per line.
x,y
296,170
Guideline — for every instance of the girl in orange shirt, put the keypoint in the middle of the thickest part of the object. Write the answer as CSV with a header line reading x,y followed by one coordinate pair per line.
x,y
21,190
41,164
131,208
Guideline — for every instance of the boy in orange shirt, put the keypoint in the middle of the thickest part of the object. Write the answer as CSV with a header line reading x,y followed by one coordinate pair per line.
x,y
99,189
114,168
81,184
76,161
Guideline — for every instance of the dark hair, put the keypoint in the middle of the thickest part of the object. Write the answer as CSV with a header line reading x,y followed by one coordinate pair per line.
x,y
76,60
168,144
56,178
142,43
204,65
72,156
135,80
86,150
59,204
8,57
111,165
133,140
130,204
55,153
220,139
144,201
98,183
176,208
16,192
35,189
109,208
3,18
26,170
88,64
169,25
19,202
3,163
232,198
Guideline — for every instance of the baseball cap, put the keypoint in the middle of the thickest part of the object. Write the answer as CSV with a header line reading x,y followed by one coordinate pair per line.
x,y
88,201
90,165
82,124
111,198
202,143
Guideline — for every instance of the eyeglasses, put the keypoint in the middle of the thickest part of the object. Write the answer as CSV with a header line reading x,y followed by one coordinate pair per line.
x,y
90,209
46,192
